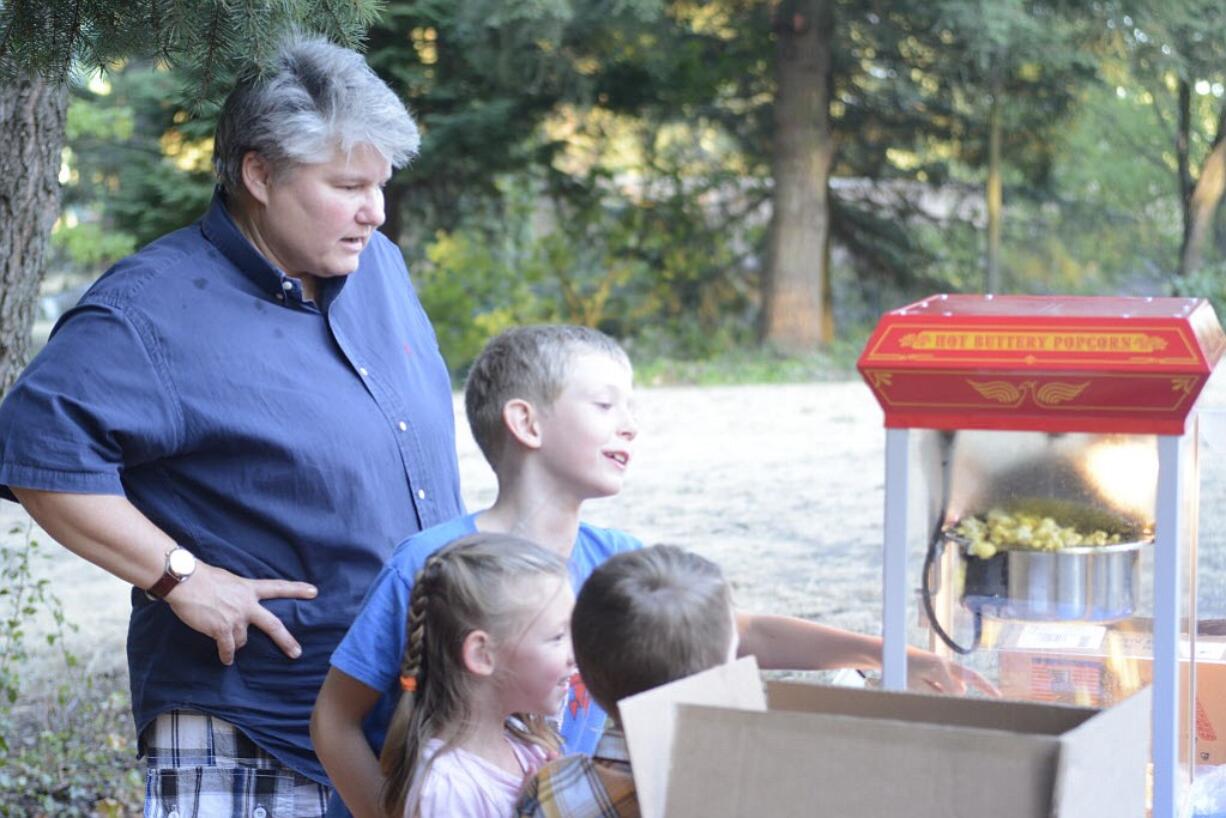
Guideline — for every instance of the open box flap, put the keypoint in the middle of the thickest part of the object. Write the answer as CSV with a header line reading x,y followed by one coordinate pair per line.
x,y
990,714
648,721
1098,769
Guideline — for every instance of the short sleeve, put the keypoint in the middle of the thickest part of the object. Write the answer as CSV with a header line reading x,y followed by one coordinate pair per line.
x,y
374,644
621,542
95,401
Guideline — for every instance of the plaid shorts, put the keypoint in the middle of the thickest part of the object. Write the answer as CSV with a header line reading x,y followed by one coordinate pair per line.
x,y
203,767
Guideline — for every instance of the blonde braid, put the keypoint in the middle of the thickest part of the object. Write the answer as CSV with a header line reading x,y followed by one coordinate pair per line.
x,y
419,602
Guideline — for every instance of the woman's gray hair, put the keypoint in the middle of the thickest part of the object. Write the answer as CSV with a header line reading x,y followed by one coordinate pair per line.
x,y
315,97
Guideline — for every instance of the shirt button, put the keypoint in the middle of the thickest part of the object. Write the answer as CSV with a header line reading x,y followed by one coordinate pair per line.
x,y
286,285
404,427
421,494
280,296
362,371
259,812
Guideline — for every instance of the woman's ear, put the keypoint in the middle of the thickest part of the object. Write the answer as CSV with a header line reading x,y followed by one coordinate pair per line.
x,y
523,422
477,651
257,176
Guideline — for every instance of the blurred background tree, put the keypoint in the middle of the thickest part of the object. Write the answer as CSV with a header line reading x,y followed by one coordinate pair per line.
x,y
705,177
42,47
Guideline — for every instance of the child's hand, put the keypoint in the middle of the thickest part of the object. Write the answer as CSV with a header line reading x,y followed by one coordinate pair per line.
x,y
927,672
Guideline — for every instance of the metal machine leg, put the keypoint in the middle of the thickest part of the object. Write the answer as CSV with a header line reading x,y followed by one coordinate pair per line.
x,y
1168,575
894,560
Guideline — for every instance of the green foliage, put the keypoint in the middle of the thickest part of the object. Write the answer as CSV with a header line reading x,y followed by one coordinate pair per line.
x,y
65,746
1207,282
214,41
663,270
749,365
609,163
138,167
472,292
89,246
23,596
73,754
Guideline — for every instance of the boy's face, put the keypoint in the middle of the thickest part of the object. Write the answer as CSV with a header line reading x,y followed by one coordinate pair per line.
x,y
587,434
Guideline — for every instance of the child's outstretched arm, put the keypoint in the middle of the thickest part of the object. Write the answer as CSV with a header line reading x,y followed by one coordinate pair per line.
x,y
336,731
789,643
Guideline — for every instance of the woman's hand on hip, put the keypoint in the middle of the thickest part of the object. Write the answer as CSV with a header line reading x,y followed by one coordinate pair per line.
x,y
222,606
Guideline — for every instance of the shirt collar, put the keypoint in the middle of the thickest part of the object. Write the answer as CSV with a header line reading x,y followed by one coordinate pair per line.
x,y
612,745
222,232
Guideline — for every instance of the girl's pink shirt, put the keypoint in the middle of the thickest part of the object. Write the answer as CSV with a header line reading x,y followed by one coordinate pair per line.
x,y
462,783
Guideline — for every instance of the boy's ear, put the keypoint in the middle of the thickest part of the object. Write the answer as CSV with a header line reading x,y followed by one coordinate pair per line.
x,y
477,651
523,422
257,176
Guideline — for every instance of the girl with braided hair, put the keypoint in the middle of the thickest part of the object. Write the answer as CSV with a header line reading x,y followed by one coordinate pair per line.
x,y
486,665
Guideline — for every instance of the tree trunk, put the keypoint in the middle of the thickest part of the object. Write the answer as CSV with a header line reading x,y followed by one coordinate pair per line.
x,y
828,327
793,285
32,119
393,199
1183,129
994,195
1201,204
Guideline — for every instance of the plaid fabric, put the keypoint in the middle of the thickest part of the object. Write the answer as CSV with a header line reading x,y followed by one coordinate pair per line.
x,y
581,787
202,767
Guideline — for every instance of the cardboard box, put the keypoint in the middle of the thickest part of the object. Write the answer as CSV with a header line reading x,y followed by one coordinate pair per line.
x,y
649,721
1096,665
875,754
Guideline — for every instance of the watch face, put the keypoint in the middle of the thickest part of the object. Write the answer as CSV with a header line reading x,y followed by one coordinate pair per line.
x,y
181,563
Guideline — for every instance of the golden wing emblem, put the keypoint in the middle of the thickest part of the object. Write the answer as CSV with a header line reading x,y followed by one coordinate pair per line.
x,y
999,391
1183,384
881,379
1052,394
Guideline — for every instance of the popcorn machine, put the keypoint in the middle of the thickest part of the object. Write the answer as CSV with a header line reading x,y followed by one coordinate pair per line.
x,y
1041,494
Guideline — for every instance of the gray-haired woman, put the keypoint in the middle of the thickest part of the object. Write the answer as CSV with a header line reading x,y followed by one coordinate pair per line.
x,y
241,420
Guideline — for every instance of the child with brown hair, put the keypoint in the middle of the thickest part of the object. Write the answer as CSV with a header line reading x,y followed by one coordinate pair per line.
x,y
488,659
552,409
643,619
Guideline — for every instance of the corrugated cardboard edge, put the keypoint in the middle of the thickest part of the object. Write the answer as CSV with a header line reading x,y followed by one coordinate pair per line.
x,y
649,719
850,752
991,714
1104,761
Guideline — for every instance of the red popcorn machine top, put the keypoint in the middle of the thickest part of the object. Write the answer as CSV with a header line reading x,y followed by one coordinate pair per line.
x,y
1041,494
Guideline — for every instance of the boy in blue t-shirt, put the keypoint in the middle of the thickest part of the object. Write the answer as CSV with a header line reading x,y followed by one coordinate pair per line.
x,y
551,409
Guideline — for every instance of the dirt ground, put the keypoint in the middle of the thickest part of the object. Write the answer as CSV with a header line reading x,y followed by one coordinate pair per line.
x,y
782,485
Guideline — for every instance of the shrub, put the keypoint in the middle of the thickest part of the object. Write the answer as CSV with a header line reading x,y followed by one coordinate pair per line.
x,y
65,733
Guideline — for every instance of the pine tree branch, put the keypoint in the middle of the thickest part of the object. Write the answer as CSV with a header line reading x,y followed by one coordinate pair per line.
x,y
155,24
73,32
4,42
17,9
208,66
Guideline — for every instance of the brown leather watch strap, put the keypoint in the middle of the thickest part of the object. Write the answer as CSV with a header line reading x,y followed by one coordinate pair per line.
x,y
171,578
163,586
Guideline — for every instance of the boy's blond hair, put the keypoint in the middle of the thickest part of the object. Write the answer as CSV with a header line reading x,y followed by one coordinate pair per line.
x,y
529,363
648,617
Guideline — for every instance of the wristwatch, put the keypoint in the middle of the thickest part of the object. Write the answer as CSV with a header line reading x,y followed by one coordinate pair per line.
x,y
180,565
